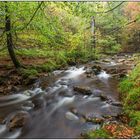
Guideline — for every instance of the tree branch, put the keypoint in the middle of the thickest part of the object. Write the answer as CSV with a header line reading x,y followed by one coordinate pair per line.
x,y
110,9
33,16
117,29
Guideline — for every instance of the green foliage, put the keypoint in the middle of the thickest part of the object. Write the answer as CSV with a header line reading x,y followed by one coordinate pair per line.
x,y
125,86
47,67
97,134
109,44
130,90
35,52
61,31
30,72
135,118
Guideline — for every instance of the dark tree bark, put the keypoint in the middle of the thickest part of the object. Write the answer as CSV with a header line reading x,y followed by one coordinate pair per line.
x,y
9,39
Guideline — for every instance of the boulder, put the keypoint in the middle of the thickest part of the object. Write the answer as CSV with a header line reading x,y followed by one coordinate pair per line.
x,y
102,96
121,60
106,60
83,90
94,118
74,110
96,69
89,75
119,104
97,120
38,103
18,120
89,71
71,116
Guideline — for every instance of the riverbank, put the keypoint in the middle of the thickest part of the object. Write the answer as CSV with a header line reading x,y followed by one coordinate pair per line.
x,y
35,66
130,93
76,99
128,124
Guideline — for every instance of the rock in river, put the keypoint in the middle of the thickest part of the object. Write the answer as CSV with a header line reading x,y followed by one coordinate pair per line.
x,y
89,71
18,120
95,119
83,89
96,69
119,104
71,116
102,96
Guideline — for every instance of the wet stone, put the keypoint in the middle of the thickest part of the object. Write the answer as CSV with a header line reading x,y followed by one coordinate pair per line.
x,y
96,69
28,105
119,104
94,118
17,121
38,103
83,90
106,60
73,110
89,75
121,60
71,116
89,71
102,96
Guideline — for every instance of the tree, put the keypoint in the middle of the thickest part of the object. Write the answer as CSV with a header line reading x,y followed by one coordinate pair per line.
x,y
9,39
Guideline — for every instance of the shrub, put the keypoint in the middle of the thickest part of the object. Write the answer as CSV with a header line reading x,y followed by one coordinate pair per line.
x,y
97,134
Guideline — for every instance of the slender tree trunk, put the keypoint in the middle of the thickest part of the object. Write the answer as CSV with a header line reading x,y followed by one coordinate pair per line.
x,y
9,38
93,36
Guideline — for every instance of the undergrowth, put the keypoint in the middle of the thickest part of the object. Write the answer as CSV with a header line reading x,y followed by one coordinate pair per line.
x,y
130,94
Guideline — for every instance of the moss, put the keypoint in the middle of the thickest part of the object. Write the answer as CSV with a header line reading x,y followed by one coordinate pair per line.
x,y
97,134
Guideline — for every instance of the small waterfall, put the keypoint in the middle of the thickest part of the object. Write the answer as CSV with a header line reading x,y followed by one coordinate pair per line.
x,y
14,135
112,63
103,75
73,72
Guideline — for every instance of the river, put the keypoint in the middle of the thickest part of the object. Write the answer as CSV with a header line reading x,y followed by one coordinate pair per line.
x,y
58,111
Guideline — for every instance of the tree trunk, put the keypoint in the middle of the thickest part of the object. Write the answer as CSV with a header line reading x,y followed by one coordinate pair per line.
x,y
9,38
93,35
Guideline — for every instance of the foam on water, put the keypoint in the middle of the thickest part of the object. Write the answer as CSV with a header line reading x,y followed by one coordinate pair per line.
x,y
103,75
61,102
106,106
112,63
2,128
14,135
73,72
16,99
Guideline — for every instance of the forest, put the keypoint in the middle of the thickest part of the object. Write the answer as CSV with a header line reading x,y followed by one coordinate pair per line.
x,y
70,70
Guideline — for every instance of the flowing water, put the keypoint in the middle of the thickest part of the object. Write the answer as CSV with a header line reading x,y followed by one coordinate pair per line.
x,y
53,117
